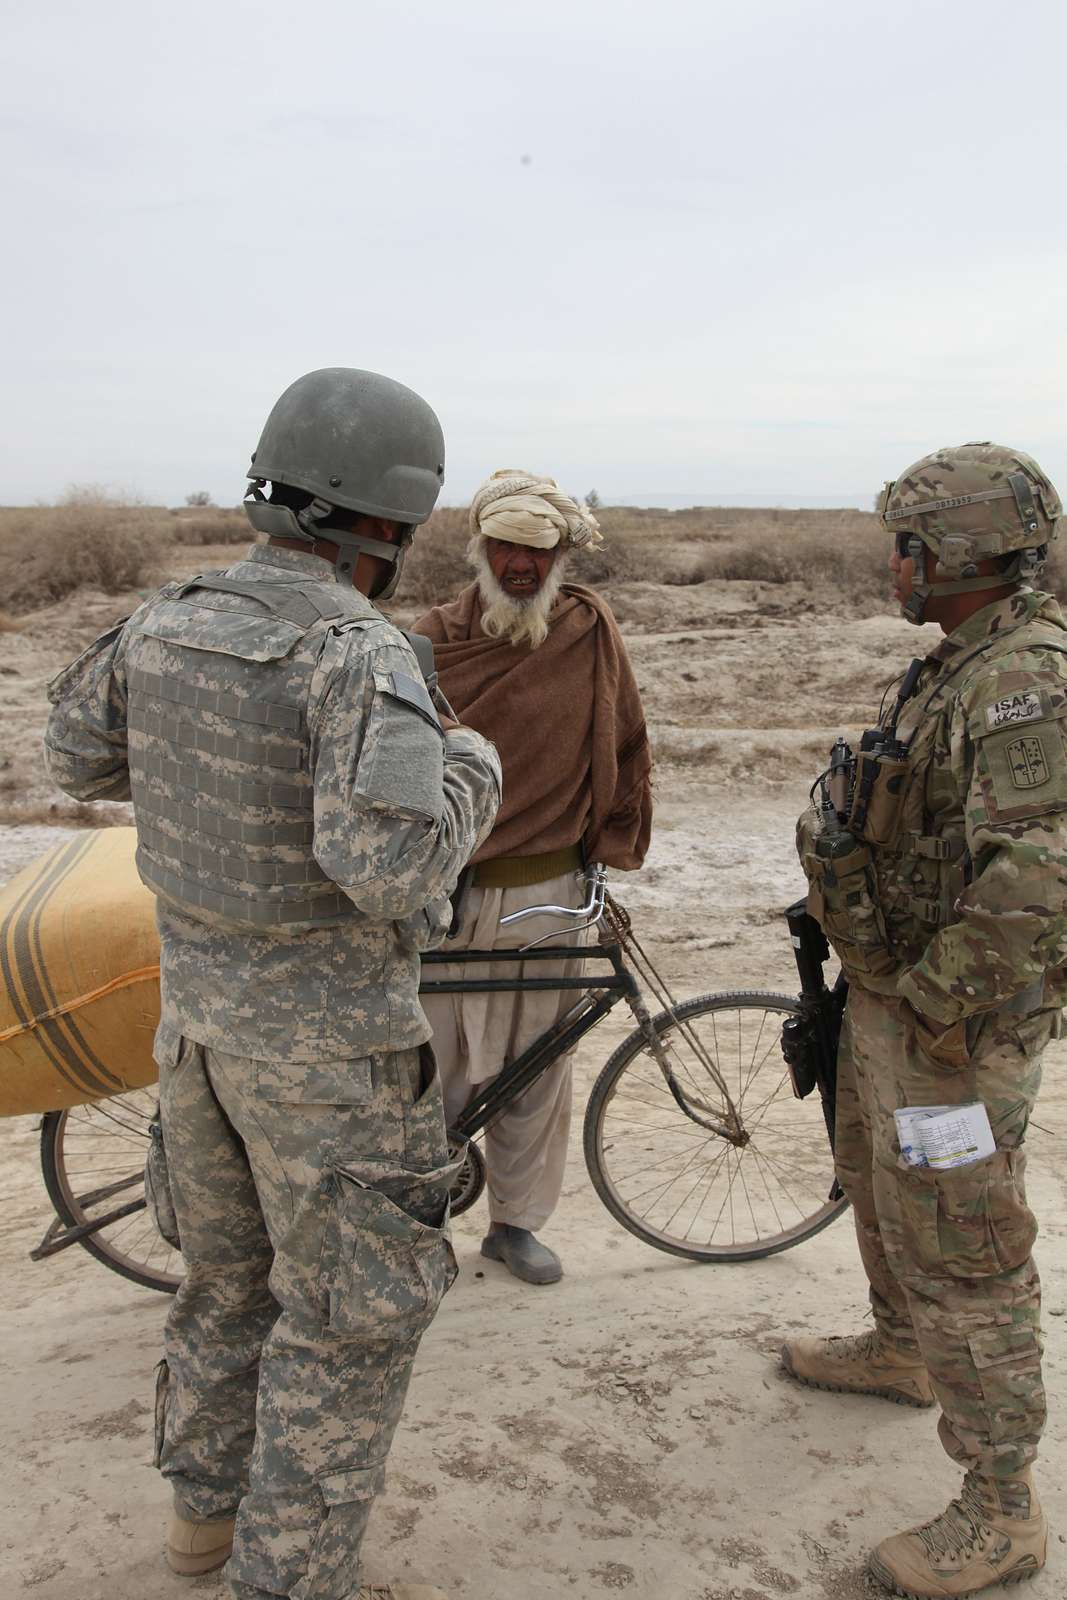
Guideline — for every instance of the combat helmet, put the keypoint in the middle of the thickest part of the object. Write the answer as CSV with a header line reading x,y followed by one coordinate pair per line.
x,y
353,440
967,504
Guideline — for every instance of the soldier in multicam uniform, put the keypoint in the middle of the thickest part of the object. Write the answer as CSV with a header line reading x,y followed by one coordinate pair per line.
x,y
302,817
944,894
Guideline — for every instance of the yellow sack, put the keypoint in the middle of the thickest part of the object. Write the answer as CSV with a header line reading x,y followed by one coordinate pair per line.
x,y
79,976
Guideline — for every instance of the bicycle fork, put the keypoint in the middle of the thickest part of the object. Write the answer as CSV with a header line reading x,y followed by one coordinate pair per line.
x,y
732,1130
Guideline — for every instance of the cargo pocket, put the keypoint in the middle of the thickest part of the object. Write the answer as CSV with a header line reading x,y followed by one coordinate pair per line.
x,y
157,1191
387,1259
159,1424
348,1497
1007,1359
969,1222
425,1136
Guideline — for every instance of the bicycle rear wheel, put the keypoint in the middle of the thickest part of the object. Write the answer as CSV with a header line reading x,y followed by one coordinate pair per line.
x,y
93,1158
683,1188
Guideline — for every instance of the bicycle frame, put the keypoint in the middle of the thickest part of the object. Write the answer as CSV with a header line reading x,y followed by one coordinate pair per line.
x,y
601,995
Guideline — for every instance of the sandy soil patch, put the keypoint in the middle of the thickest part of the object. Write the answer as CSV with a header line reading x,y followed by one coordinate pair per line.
x,y
629,1429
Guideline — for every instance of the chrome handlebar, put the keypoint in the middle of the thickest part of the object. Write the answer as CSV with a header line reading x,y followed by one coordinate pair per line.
x,y
589,915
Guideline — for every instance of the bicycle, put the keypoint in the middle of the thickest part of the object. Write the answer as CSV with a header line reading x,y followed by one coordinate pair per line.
x,y
693,1138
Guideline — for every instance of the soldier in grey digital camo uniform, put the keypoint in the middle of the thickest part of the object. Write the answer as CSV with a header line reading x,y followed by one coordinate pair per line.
x,y
302,816
950,920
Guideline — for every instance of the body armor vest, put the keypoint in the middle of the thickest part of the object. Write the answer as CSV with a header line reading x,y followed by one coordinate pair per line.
x,y
897,874
219,677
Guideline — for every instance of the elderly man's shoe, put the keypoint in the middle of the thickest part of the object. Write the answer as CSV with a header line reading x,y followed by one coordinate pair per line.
x,y
861,1363
522,1254
197,1547
972,1545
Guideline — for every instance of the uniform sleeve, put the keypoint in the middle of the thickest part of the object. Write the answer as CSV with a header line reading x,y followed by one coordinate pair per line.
x,y
399,805
85,740
1009,749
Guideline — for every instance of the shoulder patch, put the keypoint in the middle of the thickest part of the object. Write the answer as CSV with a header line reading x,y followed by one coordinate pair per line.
x,y
1023,771
1027,705
414,693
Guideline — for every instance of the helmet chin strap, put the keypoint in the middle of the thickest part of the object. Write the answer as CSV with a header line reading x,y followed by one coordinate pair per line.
x,y
308,525
914,608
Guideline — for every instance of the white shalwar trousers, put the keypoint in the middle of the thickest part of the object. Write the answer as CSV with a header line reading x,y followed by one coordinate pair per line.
x,y
475,1035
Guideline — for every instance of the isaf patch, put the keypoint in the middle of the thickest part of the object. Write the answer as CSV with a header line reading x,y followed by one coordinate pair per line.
x,y
1022,707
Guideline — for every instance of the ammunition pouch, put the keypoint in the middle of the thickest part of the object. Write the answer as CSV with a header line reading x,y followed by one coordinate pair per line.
x,y
878,797
843,899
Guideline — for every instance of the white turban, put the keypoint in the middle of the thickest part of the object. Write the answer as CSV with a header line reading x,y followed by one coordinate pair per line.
x,y
525,509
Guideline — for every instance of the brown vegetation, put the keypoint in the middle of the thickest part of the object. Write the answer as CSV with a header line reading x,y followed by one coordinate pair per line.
x,y
92,540
210,525
839,555
89,540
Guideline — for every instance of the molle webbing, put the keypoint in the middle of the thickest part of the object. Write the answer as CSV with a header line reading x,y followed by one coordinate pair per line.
x,y
305,874
264,713
183,777
209,742
198,820
219,753
264,914
936,847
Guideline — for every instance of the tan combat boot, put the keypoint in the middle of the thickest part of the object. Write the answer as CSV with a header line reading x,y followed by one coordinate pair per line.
x,y
197,1547
968,1547
860,1363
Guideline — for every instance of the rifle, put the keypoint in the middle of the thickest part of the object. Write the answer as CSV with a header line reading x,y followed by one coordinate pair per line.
x,y
809,1041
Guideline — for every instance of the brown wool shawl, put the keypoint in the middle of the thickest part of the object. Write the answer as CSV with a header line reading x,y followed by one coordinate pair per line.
x,y
567,721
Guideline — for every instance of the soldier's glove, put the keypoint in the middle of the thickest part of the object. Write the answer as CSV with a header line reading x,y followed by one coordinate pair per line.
x,y
947,1046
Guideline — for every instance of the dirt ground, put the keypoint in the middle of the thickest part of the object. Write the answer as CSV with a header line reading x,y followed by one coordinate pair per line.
x,y
629,1428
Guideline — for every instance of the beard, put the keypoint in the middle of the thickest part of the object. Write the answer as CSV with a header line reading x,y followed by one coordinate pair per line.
x,y
504,617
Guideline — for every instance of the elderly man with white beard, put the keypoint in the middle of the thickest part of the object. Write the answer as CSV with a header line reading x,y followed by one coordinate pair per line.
x,y
538,666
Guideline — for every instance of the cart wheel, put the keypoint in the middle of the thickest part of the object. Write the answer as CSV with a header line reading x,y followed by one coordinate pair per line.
x,y
469,1180
93,1161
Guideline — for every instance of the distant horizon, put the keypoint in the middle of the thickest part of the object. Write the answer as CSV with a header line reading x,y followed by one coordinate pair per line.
x,y
648,500
651,500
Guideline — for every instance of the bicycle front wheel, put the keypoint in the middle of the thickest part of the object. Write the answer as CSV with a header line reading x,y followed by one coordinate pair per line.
x,y
677,1184
93,1158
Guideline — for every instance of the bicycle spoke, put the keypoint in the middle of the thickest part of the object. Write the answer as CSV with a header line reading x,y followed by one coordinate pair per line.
x,y
93,1153
702,1195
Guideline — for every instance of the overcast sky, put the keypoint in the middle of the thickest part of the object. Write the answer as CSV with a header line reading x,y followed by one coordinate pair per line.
x,y
766,248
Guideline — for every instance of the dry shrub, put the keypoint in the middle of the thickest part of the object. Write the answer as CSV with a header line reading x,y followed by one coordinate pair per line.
x,y
842,549
212,525
435,568
88,540
843,552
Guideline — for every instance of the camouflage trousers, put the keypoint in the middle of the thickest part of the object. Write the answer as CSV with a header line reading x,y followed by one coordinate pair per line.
x,y
311,1203
947,1254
